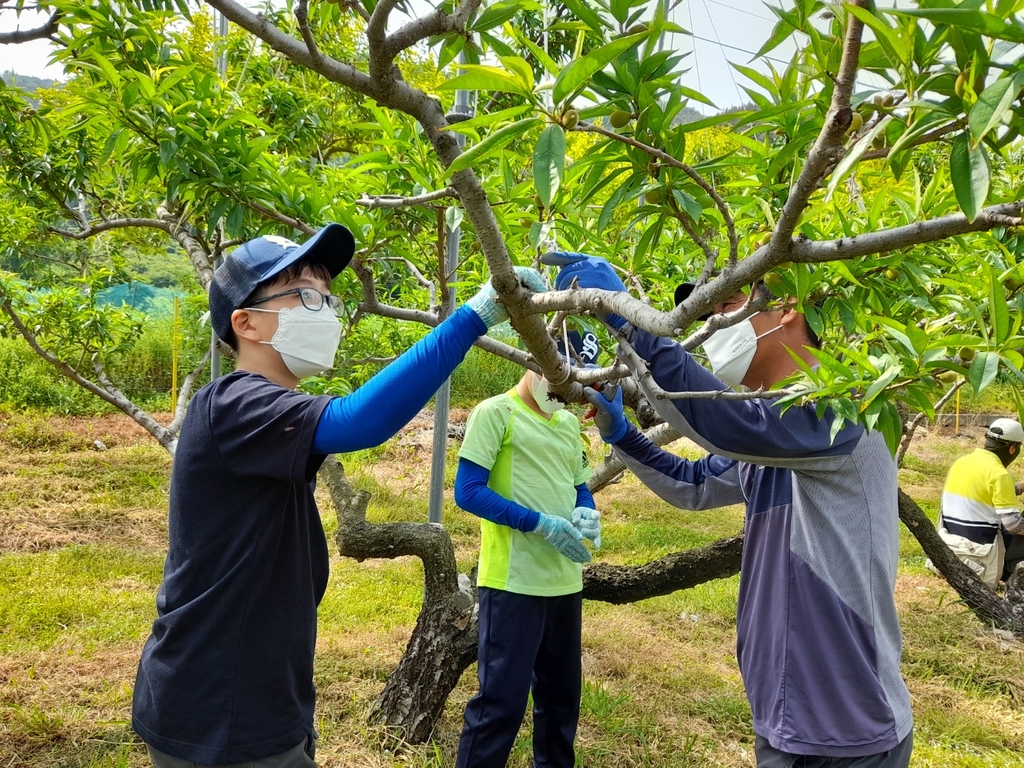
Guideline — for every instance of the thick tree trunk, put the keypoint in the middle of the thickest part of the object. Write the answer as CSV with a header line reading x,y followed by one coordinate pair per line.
x,y
443,643
1004,613
679,570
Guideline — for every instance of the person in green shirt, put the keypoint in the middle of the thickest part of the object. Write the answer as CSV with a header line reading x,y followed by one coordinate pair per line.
x,y
523,471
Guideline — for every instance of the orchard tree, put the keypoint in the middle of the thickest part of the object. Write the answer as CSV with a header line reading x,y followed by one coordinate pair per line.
x,y
890,217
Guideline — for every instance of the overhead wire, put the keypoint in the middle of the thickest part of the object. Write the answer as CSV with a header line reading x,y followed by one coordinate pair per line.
x,y
718,39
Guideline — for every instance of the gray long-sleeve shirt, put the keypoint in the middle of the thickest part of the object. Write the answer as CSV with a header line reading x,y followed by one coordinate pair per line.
x,y
819,641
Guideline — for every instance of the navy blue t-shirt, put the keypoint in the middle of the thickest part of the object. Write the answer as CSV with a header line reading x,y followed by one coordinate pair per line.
x,y
227,674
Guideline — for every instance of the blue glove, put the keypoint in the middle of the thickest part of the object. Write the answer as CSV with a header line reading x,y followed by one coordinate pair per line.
x,y
591,271
563,536
588,522
490,311
608,415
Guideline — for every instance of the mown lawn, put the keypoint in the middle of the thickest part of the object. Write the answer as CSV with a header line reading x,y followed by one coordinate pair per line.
x,y
82,537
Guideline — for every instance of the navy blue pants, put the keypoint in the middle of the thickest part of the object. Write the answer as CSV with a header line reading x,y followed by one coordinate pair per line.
x,y
526,643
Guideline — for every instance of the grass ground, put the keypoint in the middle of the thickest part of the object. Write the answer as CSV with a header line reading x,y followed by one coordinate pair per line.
x,y
82,537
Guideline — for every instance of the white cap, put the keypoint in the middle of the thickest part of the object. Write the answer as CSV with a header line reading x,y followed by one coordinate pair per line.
x,y
1006,429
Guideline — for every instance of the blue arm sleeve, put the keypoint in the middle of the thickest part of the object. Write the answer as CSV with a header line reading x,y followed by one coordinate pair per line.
x,y
584,498
386,403
755,431
710,482
473,495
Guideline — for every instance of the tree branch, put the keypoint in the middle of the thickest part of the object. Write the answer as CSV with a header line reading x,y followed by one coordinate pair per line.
x,y
46,31
666,158
302,16
397,201
260,26
105,390
911,427
431,25
828,147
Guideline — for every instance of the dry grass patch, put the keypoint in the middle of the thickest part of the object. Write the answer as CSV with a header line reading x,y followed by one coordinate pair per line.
x,y
52,500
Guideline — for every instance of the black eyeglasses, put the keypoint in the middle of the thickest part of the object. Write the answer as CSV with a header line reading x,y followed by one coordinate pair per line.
x,y
311,299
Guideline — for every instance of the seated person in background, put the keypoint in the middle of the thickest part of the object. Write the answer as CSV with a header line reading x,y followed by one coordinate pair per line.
x,y
523,471
979,506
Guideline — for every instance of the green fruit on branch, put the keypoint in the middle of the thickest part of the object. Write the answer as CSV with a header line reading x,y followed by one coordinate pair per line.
x,y
856,122
966,354
771,279
1011,284
619,118
570,119
654,196
892,274
960,84
525,223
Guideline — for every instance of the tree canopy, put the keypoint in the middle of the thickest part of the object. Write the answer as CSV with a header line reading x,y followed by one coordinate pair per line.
x,y
889,215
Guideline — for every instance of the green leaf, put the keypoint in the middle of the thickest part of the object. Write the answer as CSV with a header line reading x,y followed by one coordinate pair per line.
x,y
969,172
581,70
549,64
520,67
854,155
549,163
478,77
492,143
497,14
968,19
235,221
998,311
453,216
688,204
582,10
487,118
880,383
983,370
993,105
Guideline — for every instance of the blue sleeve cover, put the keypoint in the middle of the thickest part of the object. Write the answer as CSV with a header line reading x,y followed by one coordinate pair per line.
x,y
584,498
473,495
756,430
707,483
378,409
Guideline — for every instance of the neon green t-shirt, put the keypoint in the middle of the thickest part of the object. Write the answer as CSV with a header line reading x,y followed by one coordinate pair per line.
x,y
536,462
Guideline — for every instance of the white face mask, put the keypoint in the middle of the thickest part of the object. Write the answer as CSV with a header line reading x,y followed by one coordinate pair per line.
x,y
307,339
731,350
540,390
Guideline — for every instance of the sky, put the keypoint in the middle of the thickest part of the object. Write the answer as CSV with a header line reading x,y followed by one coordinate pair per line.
x,y
722,31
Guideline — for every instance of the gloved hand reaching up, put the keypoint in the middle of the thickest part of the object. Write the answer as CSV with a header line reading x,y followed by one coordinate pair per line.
x,y
485,303
609,417
588,522
590,271
563,536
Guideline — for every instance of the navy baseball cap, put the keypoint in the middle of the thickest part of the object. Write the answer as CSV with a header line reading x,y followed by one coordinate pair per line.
x,y
585,345
261,259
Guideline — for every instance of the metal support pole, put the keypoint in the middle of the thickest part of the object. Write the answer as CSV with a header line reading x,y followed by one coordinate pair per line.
x,y
222,68
461,111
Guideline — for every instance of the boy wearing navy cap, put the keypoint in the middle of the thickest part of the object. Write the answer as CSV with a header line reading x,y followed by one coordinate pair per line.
x,y
227,675
523,471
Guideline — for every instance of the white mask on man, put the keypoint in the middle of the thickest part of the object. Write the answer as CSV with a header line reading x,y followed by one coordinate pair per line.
x,y
731,350
540,390
307,339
